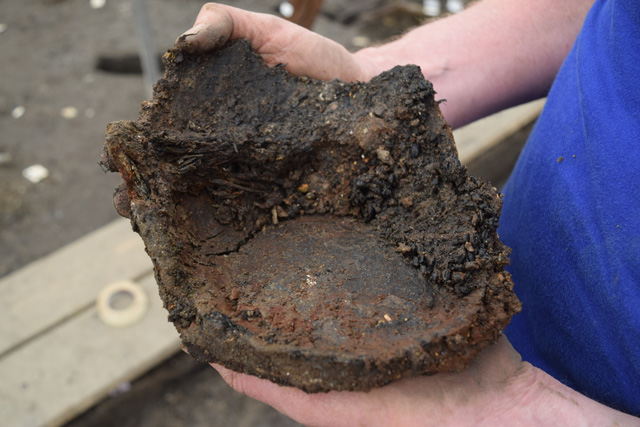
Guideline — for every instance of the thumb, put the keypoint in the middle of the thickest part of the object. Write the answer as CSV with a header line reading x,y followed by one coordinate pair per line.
x,y
212,29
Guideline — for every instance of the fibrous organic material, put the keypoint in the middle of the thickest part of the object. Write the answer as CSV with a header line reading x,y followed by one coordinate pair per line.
x,y
321,235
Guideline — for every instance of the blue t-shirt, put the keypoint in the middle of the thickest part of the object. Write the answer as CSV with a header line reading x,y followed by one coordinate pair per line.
x,y
572,217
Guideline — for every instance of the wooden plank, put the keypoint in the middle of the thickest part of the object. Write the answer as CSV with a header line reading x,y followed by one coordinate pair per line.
x,y
479,136
56,287
59,374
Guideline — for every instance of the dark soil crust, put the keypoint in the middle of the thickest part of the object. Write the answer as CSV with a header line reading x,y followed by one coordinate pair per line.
x,y
322,235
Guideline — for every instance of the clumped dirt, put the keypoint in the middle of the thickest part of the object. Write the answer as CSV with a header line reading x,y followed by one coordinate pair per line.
x,y
321,235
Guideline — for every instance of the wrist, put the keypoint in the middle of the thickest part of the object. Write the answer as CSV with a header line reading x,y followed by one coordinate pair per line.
x,y
506,390
536,398
515,400
375,60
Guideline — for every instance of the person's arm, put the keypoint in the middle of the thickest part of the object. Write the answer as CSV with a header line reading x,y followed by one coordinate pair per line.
x,y
496,389
493,55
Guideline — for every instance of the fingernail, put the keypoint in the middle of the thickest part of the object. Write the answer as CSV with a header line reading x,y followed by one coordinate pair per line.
x,y
193,31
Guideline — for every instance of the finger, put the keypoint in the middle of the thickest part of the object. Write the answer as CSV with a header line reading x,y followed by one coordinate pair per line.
x,y
262,390
216,24
255,27
278,42
333,408
212,29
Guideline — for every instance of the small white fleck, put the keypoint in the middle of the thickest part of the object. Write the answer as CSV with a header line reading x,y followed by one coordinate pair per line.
x,y
69,112
286,9
18,112
35,173
454,6
97,4
431,7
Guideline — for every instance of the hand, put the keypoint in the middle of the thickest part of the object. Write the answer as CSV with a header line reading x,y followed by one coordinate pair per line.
x,y
490,389
497,387
278,41
493,381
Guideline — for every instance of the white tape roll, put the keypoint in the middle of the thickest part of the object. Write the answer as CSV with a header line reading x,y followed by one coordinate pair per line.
x,y
122,316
